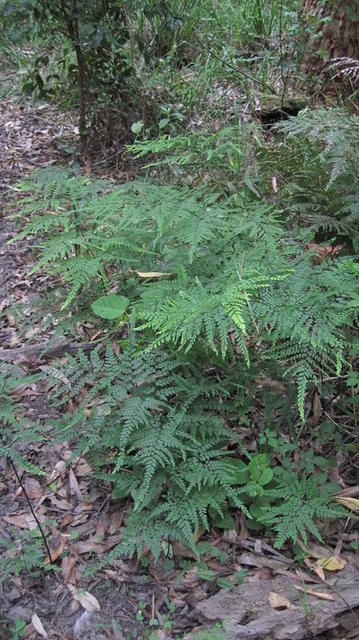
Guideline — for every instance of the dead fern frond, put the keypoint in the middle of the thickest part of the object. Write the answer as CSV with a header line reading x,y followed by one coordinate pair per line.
x,y
344,69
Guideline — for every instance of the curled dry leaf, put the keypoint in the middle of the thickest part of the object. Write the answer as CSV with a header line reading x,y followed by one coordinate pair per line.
x,y
316,594
59,469
276,601
66,520
38,626
332,563
349,503
33,488
69,570
315,550
86,599
153,274
317,569
56,549
74,486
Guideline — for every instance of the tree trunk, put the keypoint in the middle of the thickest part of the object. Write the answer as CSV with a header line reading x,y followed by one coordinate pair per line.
x,y
71,20
335,36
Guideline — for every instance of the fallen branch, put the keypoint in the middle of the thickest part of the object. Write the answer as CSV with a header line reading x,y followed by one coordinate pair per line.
x,y
44,351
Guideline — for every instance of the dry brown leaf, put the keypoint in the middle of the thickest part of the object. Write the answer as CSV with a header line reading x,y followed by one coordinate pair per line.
x,y
75,606
332,563
199,534
59,469
268,382
86,599
316,594
231,536
38,626
318,570
315,550
86,546
349,503
115,522
96,334
114,575
250,559
181,551
276,601
153,274
68,519
243,531
86,506
74,486
56,550
83,469
22,520
69,571
83,626
33,488
63,505
189,581
350,492
24,390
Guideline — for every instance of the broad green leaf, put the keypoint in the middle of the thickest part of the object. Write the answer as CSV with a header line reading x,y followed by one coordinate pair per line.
x,y
137,127
259,470
110,307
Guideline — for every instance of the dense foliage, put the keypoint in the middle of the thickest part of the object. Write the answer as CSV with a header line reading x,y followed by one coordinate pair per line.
x,y
222,281
232,284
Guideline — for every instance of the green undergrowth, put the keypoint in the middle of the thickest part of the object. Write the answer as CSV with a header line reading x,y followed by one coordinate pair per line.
x,y
226,312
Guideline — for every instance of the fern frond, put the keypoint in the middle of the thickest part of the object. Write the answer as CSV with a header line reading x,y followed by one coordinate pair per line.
x,y
302,503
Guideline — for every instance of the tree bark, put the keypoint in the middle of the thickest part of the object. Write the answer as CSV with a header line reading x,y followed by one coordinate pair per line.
x,y
72,24
337,32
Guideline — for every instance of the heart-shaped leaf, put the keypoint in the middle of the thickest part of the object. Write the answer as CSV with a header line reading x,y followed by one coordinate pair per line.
x,y
110,307
137,127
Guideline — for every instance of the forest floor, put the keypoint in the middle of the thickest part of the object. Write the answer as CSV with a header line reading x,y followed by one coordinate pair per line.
x,y
177,597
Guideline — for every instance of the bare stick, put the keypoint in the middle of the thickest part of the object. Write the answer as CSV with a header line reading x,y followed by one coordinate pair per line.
x,y
32,511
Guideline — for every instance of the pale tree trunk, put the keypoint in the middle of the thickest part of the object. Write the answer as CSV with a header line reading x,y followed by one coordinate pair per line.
x,y
337,37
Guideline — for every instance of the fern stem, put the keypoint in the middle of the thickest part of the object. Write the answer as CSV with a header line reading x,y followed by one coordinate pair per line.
x,y
247,300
